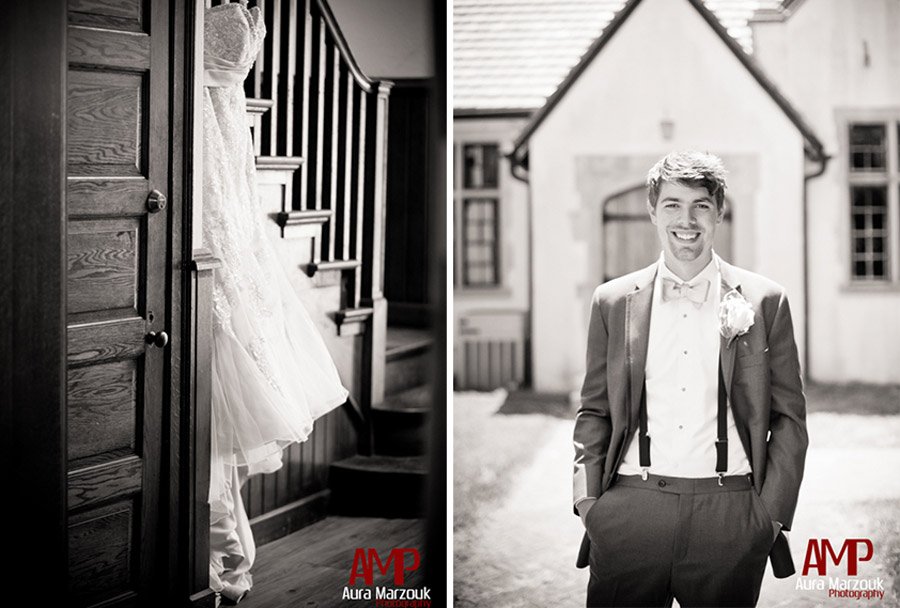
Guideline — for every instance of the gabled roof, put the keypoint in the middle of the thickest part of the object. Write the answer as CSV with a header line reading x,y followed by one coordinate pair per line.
x,y
812,145
510,55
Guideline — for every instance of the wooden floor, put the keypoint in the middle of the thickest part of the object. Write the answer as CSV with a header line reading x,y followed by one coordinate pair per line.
x,y
311,567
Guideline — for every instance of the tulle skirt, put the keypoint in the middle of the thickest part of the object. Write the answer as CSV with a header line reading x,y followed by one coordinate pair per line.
x,y
272,374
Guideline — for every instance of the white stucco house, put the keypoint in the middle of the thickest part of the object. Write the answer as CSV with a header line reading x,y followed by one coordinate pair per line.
x,y
800,100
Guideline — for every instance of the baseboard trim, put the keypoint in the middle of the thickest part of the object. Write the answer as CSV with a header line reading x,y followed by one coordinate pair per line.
x,y
290,518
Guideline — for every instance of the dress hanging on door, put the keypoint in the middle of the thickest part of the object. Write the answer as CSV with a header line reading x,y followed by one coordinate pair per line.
x,y
272,374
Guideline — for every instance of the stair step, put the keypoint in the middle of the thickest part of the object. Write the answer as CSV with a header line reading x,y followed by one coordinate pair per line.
x,y
416,400
389,465
401,423
407,359
378,486
406,341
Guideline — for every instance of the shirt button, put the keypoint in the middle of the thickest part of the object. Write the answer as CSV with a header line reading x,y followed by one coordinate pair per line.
x,y
680,427
684,316
661,483
685,352
683,389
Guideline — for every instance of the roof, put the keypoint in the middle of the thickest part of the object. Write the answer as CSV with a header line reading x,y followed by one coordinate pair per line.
x,y
511,55
812,145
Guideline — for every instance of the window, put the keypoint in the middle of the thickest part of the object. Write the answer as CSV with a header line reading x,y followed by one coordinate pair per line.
x,y
874,195
478,200
480,241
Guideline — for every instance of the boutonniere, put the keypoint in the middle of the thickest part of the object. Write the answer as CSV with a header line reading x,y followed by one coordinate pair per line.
x,y
735,316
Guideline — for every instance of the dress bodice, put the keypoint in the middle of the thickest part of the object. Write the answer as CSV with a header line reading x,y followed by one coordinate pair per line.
x,y
232,36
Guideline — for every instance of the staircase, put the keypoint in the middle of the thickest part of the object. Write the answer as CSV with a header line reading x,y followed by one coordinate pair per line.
x,y
320,136
391,481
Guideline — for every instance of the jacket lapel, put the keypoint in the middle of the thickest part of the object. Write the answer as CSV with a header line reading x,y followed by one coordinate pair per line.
x,y
638,304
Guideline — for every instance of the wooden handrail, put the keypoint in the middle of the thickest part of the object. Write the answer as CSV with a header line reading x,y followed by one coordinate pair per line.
x,y
365,83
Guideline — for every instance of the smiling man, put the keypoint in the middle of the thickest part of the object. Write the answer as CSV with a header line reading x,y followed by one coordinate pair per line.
x,y
691,436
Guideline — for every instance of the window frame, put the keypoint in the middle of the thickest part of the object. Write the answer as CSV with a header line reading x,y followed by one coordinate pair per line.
x,y
461,195
889,178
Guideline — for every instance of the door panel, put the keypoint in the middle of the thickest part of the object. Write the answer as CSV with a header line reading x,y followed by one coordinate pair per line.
x,y
105,123
117,153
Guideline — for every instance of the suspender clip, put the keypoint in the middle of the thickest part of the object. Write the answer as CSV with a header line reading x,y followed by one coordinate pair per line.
x,y
644,473
721,479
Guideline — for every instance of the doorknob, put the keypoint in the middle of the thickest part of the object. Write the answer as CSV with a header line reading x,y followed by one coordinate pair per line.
x,y
159,339
156,201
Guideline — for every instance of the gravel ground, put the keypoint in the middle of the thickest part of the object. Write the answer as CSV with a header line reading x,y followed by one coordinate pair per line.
x,y
515,537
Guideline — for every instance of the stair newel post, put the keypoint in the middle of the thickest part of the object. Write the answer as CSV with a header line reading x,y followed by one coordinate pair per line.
x,y
373,257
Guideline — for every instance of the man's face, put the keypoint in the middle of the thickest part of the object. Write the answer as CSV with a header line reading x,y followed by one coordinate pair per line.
x,y
685,220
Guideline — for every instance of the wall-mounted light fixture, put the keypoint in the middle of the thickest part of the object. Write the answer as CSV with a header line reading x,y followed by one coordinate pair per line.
x,y
667,126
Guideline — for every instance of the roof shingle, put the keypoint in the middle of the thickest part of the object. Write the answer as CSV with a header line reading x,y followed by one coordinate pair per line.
x,y
512,54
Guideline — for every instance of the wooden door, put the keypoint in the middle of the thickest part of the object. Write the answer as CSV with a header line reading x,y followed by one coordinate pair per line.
x,y
629,238
117,129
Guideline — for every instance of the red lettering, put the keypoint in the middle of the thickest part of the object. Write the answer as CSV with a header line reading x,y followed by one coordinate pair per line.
x,y
359,561
819,550
365,563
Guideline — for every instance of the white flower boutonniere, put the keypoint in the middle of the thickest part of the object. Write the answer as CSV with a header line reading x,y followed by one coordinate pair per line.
x,y
735,316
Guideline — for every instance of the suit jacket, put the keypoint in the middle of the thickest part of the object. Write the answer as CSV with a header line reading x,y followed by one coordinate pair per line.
x,y
762,378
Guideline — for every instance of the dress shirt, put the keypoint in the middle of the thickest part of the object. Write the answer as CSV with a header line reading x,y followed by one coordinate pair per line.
x,y
682,375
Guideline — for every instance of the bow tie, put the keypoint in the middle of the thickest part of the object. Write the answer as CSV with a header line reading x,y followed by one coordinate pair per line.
x,y
696,293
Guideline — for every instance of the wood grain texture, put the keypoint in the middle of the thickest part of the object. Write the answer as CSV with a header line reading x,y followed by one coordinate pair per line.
x,y
87,197
100,483
310,567
104,126
100,553
119,120
124,9
102,409
102,263
90,46
96,342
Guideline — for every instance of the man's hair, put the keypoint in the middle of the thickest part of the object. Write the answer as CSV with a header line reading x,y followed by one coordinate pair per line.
x,y
689,168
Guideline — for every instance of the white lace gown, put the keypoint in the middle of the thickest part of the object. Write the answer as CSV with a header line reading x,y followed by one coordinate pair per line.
x,y
272,374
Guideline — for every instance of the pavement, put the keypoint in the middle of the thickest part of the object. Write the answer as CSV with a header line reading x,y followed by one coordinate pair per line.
x,y
518,549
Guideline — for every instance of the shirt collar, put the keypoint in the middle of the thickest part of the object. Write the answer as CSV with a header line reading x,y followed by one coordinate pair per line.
x,y
710,271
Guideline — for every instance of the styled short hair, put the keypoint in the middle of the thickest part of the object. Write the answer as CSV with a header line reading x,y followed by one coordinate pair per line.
x,y
689,168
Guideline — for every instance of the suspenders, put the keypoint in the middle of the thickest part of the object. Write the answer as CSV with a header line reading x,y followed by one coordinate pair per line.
x,y
721,432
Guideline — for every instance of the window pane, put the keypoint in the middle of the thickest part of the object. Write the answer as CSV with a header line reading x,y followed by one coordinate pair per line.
x,y
870,240
480,264
482,164
867,147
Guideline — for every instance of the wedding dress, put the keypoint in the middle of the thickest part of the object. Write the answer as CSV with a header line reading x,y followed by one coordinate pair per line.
x,y
272,375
